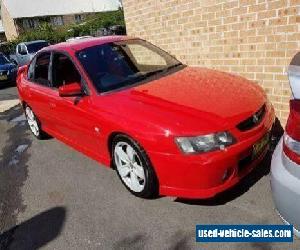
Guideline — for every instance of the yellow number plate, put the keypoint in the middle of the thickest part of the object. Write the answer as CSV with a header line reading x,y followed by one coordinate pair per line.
x,y
260,145
3,78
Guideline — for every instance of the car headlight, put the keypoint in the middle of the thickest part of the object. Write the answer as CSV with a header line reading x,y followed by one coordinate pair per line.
x,y
205,143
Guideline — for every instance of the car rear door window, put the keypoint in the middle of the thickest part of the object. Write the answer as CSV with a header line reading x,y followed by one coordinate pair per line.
x,y
41,69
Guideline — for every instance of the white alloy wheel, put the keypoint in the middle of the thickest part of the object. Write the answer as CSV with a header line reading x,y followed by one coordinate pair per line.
x,y
32,121
129,166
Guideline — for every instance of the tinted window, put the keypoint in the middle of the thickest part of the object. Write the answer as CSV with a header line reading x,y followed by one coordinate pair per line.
x,y
64,71
120,64
3,59
42,68
35,47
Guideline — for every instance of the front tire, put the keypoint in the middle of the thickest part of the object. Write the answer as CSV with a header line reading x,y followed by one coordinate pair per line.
x,y
133,167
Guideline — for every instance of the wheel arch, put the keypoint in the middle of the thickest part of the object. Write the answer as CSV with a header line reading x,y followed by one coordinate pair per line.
x,y
113,134
144,152
111,137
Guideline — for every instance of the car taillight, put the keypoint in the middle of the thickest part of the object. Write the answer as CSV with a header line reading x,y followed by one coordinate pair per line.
x,y
291,148
291,139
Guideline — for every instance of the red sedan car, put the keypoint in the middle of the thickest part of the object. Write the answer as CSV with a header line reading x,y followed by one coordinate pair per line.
x,y
164,127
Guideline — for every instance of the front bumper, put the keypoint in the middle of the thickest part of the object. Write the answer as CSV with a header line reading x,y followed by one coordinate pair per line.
x,y
205,175
198,182
286,188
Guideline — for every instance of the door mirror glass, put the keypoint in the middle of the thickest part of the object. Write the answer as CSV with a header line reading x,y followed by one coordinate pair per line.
x,y
71,89
294,76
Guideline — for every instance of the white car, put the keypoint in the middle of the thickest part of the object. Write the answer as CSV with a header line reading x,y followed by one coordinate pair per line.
x,y
285,167
26,51
77,38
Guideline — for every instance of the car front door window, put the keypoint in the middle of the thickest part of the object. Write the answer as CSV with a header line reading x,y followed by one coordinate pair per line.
x,y
64,72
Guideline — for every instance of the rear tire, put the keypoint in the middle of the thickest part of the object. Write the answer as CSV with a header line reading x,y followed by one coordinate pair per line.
x,y
134,167
34,124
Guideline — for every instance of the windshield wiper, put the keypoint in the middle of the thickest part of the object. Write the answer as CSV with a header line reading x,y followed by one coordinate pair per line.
x,y
161,70
141,77
173,66
153,72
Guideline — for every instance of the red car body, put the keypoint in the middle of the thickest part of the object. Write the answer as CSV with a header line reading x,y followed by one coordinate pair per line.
x,y
189,102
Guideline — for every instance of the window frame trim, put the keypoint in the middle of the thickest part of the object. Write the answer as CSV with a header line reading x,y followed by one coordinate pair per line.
x,y
84,85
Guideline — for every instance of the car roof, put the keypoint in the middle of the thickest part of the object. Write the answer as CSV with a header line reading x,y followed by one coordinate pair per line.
x,y
36,41
80,44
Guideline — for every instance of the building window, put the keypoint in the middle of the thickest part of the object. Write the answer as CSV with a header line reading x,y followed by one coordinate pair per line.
x,y
79,18
30,23
57,20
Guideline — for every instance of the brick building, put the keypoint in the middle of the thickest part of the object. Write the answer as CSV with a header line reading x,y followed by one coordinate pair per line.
x,y
252,38
19,16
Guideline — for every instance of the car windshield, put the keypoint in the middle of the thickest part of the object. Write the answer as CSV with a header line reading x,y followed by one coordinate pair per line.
x,y
35,47
3,59
120,64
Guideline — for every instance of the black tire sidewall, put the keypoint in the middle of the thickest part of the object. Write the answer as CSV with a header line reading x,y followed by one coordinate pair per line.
x,y
151,184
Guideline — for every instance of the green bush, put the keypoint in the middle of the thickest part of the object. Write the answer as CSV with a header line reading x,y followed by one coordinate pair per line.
x,y
59,34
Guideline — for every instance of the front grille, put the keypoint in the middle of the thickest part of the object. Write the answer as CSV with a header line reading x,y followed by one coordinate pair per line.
x,y
253,121
3,72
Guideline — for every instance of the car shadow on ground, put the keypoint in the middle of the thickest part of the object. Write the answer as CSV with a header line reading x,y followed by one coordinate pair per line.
x,y
35,232
246,183
7,85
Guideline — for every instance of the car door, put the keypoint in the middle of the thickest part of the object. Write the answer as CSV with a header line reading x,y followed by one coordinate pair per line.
x,y
37,88
73,117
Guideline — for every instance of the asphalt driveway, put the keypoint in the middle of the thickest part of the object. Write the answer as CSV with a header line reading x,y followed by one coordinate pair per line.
x,y
8,93
56,198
